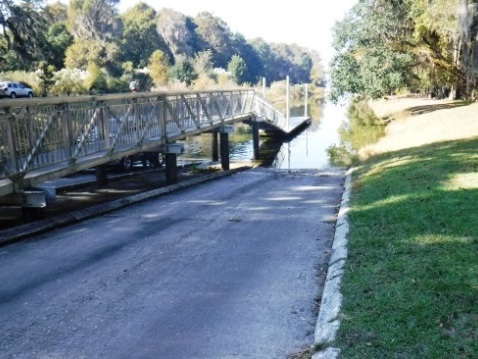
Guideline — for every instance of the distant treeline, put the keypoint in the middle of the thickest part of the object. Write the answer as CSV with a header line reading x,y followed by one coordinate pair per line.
x,y
88,46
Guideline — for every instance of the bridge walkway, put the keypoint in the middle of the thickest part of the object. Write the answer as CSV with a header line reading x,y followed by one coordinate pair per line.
x,y
47,138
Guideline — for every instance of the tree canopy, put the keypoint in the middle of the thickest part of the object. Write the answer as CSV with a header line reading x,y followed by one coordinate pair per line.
x,y
23,32
159,46
385,47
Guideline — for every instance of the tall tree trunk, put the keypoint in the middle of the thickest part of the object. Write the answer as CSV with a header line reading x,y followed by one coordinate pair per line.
x,y
464,58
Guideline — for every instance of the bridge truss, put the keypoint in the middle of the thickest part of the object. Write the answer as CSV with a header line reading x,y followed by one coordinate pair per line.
x,y
46,138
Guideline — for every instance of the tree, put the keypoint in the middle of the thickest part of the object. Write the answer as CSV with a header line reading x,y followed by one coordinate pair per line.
x,y
465,45
95,81
383,72
202,63
203,67
95,23
183,70
145,82
317,72
178,31
374,42
57,35
55,13
45,74
128,70
255,68
268,59
83,52
140,37
293,61
345,77
427,45
59,39
94,19
23,32
158,68
141,15
237,68
281,60
217,37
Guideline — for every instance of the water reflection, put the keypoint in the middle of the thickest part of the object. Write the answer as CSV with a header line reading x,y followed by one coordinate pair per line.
x,y
363,126
200,147
307,150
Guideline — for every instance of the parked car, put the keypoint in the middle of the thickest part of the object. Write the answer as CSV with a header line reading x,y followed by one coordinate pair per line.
x,y
14,90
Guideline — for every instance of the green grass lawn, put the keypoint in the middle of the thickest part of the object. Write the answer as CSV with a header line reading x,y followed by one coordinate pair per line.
x,y
411,278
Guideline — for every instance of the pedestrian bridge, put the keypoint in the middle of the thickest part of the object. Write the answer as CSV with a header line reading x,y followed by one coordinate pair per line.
x,y
46,138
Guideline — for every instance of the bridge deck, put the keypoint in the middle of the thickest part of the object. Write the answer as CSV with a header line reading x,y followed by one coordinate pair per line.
x,y
291,127
297,123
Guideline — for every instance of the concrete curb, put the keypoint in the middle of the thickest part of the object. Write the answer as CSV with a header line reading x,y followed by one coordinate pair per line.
x,y
29,229
328,321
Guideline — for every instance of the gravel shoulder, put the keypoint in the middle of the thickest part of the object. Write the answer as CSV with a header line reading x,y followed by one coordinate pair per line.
x,y
419,121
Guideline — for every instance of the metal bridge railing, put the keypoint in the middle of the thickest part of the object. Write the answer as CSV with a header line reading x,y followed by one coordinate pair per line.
x,y
267,112
58,136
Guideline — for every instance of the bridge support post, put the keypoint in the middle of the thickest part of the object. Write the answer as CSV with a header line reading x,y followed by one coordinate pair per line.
x,y
33,205
101,175
224,135
171,152
224,151
171,168
255,139
214,146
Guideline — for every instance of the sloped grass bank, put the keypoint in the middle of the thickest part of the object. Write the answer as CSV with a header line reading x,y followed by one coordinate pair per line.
x,y
411,279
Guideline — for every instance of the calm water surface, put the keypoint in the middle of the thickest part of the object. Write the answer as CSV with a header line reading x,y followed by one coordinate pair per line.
x,y
305,151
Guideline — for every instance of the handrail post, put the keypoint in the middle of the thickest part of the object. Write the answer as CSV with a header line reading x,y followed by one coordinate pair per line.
x,y
11,139
163,119
306,101
287,101
66,129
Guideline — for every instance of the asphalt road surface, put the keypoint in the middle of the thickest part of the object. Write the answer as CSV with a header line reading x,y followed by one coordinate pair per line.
x,y
232,268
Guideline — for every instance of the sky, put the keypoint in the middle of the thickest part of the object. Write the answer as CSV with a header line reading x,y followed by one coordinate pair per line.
x,y
304,22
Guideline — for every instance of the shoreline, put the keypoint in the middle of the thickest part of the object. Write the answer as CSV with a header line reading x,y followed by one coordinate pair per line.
x,y
419,121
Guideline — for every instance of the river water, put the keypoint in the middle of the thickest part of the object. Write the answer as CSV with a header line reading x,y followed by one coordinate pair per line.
x,y
305,151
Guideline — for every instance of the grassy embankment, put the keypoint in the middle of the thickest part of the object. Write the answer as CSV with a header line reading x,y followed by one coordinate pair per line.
x,y
411,279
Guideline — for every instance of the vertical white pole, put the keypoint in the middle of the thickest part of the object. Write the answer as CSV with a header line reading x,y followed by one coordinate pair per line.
x,y
264,87
306,101
287,101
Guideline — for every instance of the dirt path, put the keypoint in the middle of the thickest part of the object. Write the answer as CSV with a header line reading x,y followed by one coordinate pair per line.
x,y
419,121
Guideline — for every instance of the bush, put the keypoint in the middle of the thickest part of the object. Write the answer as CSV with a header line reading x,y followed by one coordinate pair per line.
x,y
68,82
95,81
115,85
341,155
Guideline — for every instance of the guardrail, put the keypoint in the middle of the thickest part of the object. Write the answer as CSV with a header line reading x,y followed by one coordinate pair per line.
x,y
45,138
